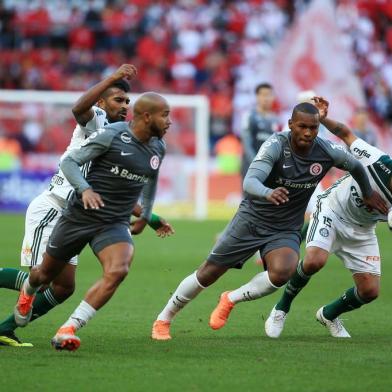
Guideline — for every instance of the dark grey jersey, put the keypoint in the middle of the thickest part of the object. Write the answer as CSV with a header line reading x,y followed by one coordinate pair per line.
x,y
121,169
276,165
258,128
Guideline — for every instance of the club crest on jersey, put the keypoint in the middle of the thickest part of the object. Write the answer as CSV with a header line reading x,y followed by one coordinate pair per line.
x,y
154,162
315,169
324,232
126,138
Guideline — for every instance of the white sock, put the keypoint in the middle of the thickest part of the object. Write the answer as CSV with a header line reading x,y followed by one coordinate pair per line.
x,y
259,286
186,291
81,315
28,288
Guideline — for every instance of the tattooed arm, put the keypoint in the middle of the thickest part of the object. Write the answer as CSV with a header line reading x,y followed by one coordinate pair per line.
x,y
337,128
340,130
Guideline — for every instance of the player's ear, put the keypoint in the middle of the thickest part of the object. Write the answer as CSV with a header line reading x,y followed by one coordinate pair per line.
x,y
147,117
290,123
101,103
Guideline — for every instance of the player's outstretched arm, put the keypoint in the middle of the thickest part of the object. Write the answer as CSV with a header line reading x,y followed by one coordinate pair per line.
x,y
82,110
157,223
337,128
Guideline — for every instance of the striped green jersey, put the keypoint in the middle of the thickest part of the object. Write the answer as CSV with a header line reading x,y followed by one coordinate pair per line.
x,y
59,185
345,197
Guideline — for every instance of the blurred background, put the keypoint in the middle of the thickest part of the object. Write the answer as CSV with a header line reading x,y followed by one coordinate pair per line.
x,y
221,50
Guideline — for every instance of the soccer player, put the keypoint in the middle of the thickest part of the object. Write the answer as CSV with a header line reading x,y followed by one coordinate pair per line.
x,y
278,186
103,103
125,161
259,124
342,224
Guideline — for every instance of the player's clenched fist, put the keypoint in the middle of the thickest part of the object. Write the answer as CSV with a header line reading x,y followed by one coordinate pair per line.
x,y
92,200
126,71
278,196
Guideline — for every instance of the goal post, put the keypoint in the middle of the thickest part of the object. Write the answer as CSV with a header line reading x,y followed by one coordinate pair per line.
x,y
197,165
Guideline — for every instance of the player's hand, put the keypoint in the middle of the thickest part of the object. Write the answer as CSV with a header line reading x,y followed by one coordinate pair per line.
x,y
165,230
322,106
92,200
126,71
376,202
278,196
138,226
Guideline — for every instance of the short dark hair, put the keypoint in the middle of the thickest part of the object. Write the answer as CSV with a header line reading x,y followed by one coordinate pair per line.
x,y
120,84
263,85
305,107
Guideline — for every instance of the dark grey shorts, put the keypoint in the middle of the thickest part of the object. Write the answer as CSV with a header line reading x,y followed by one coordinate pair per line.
x,y
241,239
69,238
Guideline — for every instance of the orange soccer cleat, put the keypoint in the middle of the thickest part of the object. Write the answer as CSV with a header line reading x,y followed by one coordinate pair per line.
x,y
23,309
161,330
65,339
221,313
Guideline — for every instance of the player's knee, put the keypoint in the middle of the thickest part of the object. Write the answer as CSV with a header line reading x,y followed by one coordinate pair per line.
x,y
116,275
280,273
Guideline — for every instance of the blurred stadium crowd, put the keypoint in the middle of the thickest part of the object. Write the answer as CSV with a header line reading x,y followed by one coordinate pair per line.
x,y
183,46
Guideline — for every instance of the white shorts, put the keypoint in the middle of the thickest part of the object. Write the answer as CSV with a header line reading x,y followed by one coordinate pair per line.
x,y
355,245
41,216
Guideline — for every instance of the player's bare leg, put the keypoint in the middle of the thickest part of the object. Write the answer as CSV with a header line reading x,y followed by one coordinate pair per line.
x,y
115,260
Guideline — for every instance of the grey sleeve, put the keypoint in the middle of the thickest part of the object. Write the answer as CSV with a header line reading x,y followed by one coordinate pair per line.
x,y
92,147
344,160
148,197
150,189
260,169
246,139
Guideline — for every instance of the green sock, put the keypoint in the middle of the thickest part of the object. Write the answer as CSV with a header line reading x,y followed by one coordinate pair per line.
x,y
293,287
12,278
44,301
350,300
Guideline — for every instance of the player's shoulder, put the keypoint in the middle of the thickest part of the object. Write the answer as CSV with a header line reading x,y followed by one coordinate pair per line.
x,y
158,143
116,127
105,134
330,147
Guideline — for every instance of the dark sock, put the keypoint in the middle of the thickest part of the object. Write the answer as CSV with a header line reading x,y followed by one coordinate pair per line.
x,y
44,301
350,300
12,278
293,287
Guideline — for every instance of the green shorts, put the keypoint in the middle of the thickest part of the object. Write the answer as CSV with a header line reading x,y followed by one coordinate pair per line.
x,y
241,239
69,238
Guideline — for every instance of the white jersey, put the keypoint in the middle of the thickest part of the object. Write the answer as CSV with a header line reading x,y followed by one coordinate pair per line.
x,y
59,185
344,197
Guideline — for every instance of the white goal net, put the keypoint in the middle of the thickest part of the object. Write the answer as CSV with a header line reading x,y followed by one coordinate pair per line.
x,y
41,122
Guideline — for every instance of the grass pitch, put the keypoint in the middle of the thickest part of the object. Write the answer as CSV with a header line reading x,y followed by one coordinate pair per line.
x,y
117,353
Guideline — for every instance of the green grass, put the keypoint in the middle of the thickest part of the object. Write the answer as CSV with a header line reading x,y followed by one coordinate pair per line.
x,y
117,353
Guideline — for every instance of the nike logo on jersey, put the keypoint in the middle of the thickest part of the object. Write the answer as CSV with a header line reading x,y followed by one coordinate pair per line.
x,y
126,153
52,246
286,166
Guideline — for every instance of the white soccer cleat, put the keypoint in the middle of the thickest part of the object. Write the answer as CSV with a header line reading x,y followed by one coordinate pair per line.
x,y
275,323
335,327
